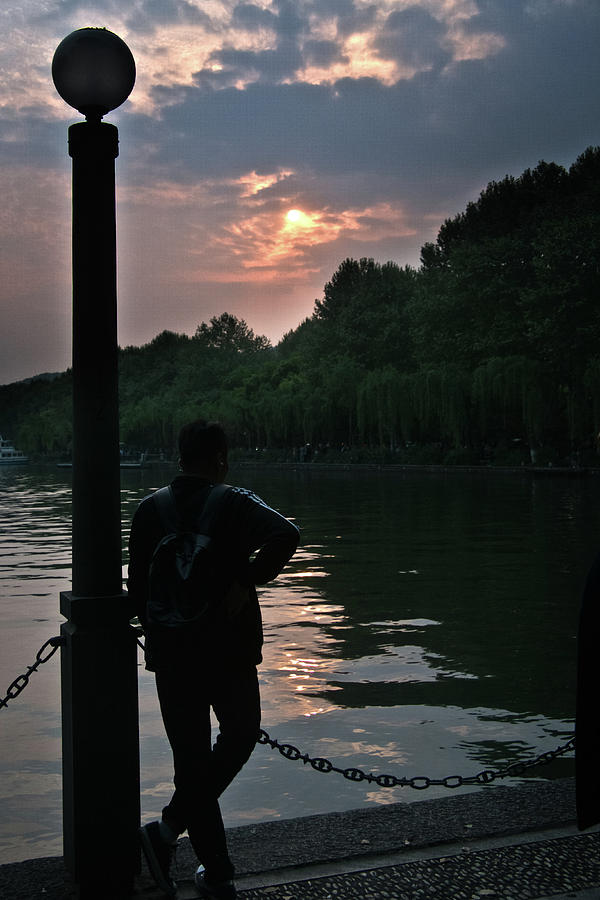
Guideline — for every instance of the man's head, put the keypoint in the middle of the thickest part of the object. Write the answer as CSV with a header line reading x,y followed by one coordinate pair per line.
x,y
203,450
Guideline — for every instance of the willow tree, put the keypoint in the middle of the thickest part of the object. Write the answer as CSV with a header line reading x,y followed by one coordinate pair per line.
x,y
340,378
511,398
382,408
442,404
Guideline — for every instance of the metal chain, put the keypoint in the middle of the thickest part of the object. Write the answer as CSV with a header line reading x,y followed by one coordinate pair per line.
x,y
319,763
419,783
41,657
139,634
45,653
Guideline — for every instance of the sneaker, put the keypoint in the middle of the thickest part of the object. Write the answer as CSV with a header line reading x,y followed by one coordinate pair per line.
x,y
220,890
159,856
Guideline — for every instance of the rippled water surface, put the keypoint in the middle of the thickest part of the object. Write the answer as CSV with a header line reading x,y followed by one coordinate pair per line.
x,y
426,626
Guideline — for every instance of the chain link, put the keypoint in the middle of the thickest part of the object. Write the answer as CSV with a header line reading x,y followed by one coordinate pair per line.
x,y
420,782
45,653
139,634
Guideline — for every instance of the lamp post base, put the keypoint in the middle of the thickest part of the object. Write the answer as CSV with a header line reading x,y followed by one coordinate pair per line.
x,y
101,781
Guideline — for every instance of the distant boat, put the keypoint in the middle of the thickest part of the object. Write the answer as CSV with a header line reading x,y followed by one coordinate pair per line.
x,y
9,456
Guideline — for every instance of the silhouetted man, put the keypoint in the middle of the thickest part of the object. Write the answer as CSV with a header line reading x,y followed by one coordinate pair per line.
x,y
211,663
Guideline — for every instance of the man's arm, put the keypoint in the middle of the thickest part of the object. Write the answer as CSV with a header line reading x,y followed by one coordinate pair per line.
x,y
265,532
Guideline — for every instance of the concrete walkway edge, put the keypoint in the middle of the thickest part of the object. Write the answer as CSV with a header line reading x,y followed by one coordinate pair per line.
x,y
498,842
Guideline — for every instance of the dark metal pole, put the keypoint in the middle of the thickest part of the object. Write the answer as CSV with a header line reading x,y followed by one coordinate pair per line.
x,y
99,660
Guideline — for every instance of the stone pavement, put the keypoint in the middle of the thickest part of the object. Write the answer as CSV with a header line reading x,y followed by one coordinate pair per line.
x,y
499,843
544,865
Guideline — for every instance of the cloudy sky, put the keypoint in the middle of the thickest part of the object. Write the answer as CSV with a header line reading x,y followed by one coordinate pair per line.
x,y
266,141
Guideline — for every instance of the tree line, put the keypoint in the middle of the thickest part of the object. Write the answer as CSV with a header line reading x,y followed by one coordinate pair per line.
x,y
488,351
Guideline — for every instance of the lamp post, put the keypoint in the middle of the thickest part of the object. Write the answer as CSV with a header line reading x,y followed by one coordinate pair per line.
x,y
94,71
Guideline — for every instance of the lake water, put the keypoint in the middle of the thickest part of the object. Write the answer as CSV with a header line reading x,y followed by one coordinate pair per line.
x,y
426,626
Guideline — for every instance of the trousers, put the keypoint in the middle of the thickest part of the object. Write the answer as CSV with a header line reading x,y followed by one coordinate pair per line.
x,y
202,771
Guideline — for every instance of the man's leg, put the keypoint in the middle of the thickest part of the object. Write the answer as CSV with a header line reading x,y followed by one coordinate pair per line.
x,y
201,773
186,716
236,702
185,707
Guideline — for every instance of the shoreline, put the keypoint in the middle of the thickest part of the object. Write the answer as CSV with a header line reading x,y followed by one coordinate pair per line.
x,y
358,837
563,471
404,468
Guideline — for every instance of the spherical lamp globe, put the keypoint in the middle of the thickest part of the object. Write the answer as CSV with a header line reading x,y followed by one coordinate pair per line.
x,y
94,71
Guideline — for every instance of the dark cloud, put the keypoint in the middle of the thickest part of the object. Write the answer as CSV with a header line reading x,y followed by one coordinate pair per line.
x,y
287,125
69,7
153,14
356,125
68,10
262,65
349,19
29,138
413,37
289,24
539,24
274,64
322,53
431,141
145,19
252,18
540,93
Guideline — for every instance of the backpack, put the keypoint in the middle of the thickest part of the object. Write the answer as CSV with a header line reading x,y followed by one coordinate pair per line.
x,y
184,573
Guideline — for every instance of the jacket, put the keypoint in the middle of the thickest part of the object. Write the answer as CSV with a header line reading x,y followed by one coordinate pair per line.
x,y
243,525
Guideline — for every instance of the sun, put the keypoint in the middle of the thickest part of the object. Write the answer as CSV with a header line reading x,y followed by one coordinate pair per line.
x,y
294,216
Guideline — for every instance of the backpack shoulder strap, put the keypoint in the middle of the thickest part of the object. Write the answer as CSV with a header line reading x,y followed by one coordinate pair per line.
x,y
165,503
206,517
167,509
